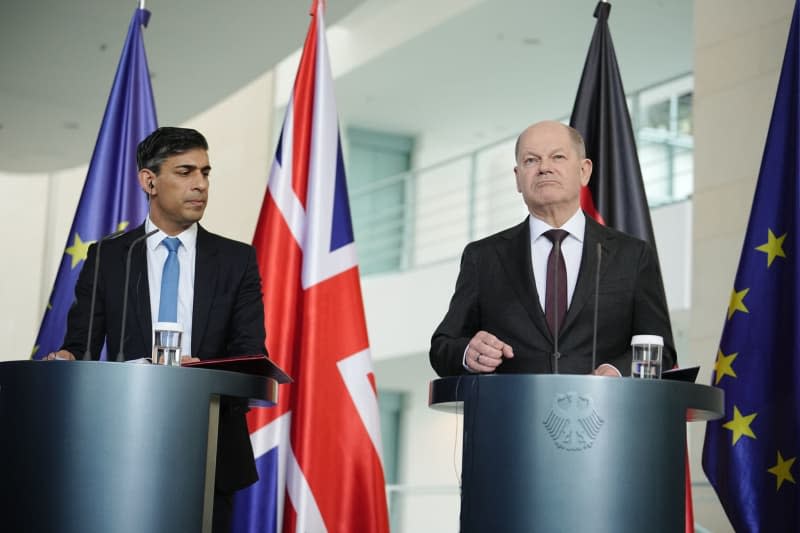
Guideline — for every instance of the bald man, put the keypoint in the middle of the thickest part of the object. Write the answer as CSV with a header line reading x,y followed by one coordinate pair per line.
x,y
501,317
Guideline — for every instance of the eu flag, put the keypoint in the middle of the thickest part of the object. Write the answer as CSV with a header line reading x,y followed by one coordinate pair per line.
x,y
750,456
111,198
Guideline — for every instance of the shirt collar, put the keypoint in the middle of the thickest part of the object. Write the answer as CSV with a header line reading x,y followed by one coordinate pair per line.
x,y
188,237
575,225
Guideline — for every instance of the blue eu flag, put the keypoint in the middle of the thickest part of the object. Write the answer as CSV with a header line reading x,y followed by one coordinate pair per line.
x,y
750,456
111,199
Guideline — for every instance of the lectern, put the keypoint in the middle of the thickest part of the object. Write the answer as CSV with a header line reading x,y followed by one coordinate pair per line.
x,y
566,453
99,447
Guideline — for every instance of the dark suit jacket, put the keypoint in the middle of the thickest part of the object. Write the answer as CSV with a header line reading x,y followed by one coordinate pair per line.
x,y
496,292
227,320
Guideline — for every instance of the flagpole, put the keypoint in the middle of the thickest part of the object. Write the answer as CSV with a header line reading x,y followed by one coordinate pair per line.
x,y
141,4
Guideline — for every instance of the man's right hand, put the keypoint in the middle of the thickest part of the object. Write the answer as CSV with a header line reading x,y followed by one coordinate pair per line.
x,y
61,354
485,353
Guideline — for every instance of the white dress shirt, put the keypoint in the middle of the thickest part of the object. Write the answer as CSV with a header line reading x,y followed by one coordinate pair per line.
x,y
156,256
571,249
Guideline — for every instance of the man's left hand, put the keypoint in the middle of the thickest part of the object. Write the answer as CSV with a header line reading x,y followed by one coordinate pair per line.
x,y
607,370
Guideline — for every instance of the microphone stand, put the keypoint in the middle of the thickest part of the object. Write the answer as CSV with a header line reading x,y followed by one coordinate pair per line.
x,y
121,353
87,354
596,306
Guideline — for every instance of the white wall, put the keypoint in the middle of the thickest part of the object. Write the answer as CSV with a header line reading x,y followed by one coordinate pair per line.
x,y
672,227
403,309
241,149
37,211
23,208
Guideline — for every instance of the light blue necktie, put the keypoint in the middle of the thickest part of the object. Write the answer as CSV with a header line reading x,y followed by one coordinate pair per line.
x,y
168,304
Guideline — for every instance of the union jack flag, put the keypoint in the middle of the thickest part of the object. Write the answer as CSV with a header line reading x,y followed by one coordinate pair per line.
x,y
318,451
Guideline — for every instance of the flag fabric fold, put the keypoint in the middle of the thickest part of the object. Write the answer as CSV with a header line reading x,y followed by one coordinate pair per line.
x,y
615,195
111,198
750,454
318,451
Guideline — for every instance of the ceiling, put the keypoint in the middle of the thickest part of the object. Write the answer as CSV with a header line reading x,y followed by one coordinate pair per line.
x,y
58,60
491,70
483,73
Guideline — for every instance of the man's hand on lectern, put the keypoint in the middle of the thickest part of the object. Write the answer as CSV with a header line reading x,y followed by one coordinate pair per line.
x,y
60,355
485,353
607,370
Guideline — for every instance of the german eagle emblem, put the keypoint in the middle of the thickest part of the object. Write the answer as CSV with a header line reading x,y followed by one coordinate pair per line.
x,y
572,422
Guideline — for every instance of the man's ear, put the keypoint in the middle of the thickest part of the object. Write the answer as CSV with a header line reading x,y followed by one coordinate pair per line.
x,y
516,178
146,178
586,171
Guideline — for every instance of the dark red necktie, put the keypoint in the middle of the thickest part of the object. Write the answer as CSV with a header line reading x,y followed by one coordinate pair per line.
x,y
555,307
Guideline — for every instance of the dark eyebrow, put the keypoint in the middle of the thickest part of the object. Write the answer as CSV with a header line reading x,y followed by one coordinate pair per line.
x,y
206,168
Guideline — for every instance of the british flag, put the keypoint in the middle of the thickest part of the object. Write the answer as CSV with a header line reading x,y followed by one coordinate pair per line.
x,y
318,451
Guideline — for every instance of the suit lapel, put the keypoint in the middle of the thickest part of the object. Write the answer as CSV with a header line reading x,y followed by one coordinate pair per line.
x,y
205,282
585,286
515,257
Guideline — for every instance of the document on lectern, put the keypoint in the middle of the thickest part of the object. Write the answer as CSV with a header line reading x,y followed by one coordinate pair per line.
x,y
688,374
256,365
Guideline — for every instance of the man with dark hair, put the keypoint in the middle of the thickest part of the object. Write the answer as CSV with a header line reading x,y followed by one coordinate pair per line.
x,y
218,300
517,290
165,142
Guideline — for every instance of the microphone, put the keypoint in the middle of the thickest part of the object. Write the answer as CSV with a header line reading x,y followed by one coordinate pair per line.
x,y
87,355
556,353
596,306
121,353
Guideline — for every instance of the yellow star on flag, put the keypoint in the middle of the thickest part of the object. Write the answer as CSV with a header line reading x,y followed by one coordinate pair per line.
x,y
737,302
740,425
78,251
122,225
782,470
35,349
722,366
773,247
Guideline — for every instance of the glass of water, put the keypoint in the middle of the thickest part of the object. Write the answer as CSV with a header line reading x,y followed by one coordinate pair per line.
x,y
647,351
167,343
